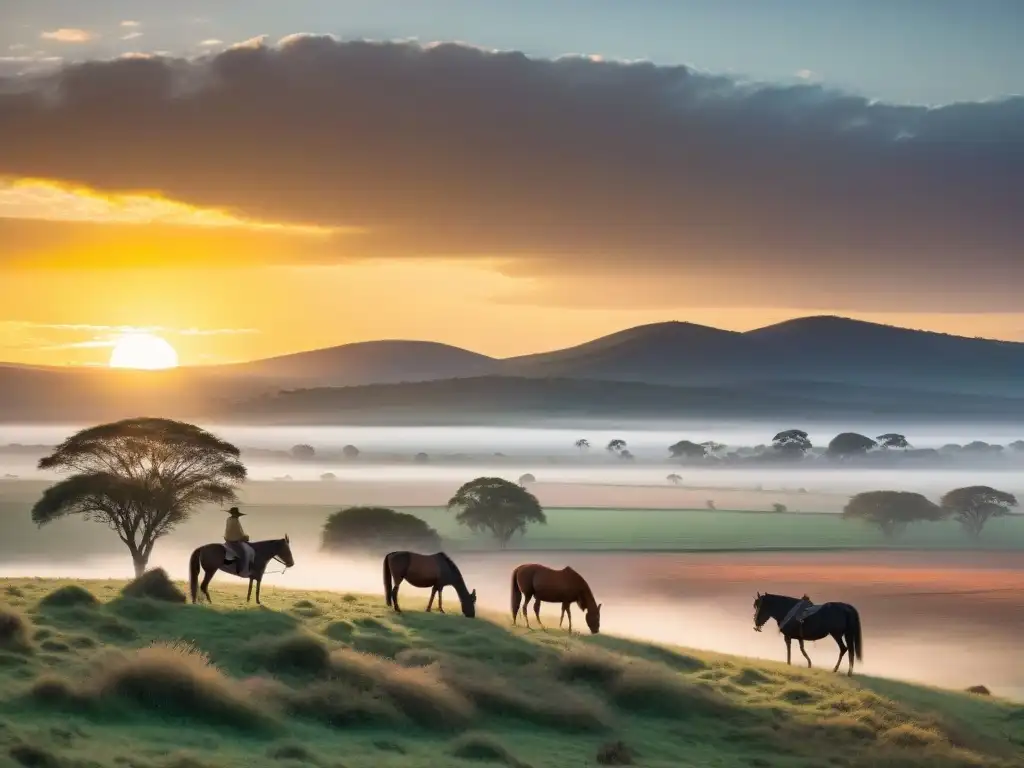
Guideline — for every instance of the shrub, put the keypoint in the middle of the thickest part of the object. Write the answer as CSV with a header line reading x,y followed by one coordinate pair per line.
x,y
376,528
298,653
69,596
614,753
155,585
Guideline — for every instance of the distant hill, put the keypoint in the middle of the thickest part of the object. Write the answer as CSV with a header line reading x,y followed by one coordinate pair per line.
x,y
810,349
809,364
372,362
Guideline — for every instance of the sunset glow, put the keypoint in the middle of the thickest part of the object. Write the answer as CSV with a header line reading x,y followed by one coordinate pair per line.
x,y
143,351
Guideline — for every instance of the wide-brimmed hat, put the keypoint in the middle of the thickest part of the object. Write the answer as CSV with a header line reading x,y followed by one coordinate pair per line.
x,y
234,512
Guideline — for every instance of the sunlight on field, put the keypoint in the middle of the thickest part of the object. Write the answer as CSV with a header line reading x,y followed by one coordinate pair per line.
x,y
319,678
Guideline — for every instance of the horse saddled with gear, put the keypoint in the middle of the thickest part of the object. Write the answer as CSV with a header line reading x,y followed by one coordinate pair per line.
x,y
800,619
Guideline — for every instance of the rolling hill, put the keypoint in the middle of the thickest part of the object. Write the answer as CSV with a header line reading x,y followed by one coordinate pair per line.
x,y
803,367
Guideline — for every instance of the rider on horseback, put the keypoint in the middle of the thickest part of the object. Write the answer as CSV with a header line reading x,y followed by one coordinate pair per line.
x,y
234,537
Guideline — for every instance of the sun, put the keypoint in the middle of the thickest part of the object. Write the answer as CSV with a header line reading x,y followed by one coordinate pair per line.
x,y
143,351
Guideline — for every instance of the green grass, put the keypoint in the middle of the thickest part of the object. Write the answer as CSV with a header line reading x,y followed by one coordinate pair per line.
x,y
332,681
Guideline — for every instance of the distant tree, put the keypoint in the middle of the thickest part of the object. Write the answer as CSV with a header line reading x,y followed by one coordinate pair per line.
x,y
847,444
498,506
792,443
376,528
1016,445
141,477
711,448
350,453
685,449
779,508
421,458
891,511
973,506
302,452
710,504
582,444
527,479
626,455
328,476
980,447
893,440
951,448
674,479
616,446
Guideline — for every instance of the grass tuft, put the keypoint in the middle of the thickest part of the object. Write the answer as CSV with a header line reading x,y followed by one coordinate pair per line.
x,y
69,596
298,653
15,630
32,756
482,747
292,750
614,753
154,585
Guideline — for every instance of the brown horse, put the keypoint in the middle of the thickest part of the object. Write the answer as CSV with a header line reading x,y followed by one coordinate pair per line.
x,y
540,583
216,557
436,571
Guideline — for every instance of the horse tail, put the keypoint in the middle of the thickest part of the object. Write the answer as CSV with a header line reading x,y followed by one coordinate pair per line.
x,y
387,579
517,594
193,573
853,635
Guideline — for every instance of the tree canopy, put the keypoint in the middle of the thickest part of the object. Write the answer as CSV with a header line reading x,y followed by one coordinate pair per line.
x,y
686,449
375,528
847,444
141,477
891,511
792,442
975,505
893,440
303,452
498,506
616,445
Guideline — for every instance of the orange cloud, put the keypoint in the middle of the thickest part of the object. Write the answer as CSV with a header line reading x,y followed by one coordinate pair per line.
x,y
68,35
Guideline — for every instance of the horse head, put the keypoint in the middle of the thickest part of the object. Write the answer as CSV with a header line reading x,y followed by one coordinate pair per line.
x,y
761,612
285,553
469,605
594,619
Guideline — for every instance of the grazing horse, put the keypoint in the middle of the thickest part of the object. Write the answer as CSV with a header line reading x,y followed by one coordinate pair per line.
x,y
799,618
436,571
216,556
540,583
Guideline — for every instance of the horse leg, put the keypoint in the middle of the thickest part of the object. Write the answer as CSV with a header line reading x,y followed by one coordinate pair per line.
x,y
536,611
801,641
789,649
394,595
430,602
205,586
561,616
440,606
527,596
842,651
259,583
248,597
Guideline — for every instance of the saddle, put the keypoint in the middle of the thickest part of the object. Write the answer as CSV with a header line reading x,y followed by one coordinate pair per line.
x,y
231,554
799,613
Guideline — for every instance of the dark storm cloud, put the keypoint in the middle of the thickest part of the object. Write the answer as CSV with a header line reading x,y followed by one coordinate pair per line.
x,y
581,165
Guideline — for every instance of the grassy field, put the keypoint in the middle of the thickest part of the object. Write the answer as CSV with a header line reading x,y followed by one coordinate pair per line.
x,y
578,529
90,676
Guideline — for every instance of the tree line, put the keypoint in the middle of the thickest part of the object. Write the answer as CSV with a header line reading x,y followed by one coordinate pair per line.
x,y
892,511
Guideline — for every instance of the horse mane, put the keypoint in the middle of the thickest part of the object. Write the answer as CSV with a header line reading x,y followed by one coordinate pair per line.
x,y
457,580
587,594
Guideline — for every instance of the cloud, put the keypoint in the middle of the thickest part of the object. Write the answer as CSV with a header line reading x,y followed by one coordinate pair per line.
x,y
66,35
212,43
131,36
131,24
643,183
27,335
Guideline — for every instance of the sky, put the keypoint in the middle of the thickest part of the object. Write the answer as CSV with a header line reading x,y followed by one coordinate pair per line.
x,y
254,178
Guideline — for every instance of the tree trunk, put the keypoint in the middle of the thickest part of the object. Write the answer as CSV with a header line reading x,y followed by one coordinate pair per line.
x,y
140,560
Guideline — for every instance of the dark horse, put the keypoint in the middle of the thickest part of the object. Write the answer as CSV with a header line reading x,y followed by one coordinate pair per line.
x,y
540,583
214,557
436,571
799,618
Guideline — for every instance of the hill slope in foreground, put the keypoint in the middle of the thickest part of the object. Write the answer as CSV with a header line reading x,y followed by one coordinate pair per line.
x,y
93,678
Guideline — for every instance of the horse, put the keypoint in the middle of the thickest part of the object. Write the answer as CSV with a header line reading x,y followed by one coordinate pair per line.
x,y
436,571
799,618
540,583
216,556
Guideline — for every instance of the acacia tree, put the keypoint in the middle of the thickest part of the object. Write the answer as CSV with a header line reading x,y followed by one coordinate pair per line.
x,y
973,506
893,440
498,506
582,444
141,477
891,511
686,449
617,445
